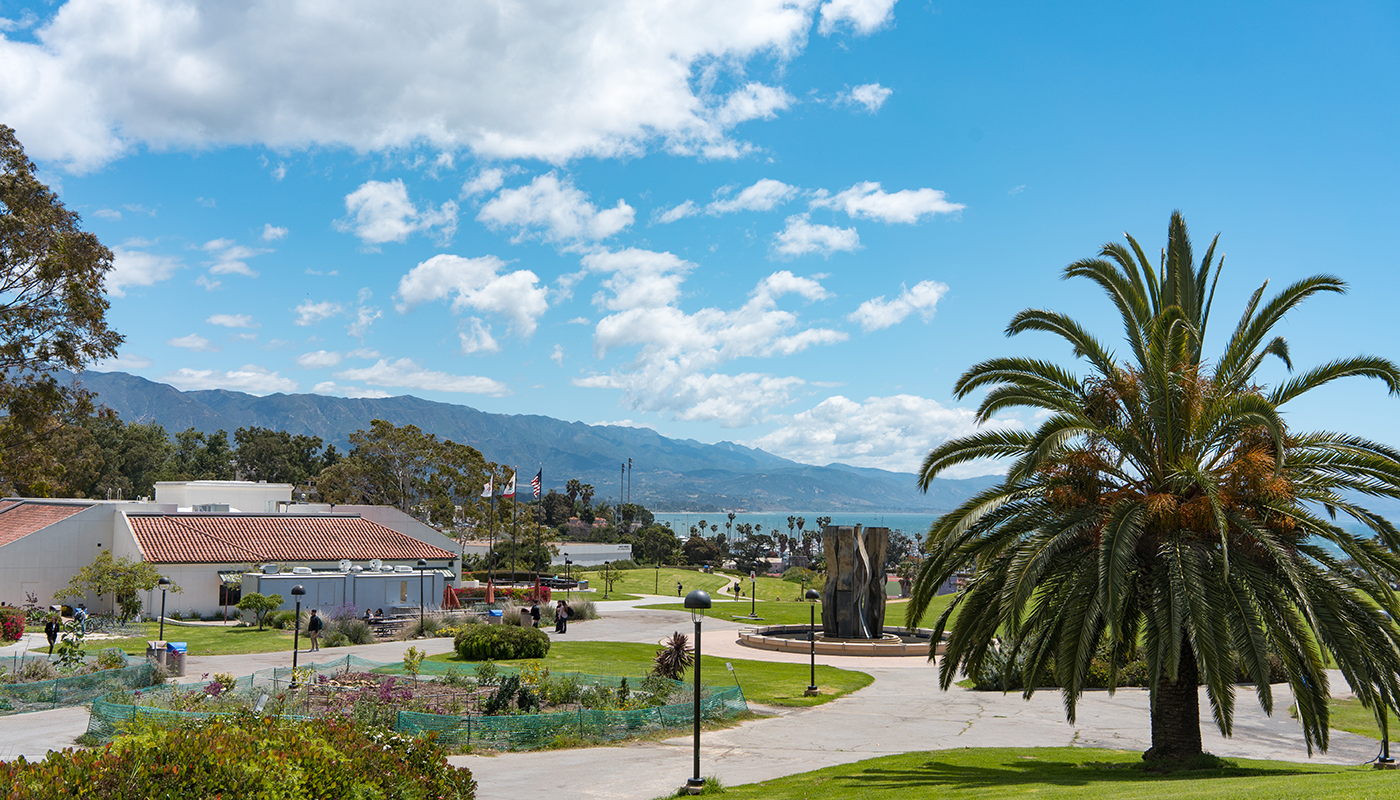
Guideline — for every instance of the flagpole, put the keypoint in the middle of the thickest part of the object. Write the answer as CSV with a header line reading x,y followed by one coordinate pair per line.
x,y
514,530
537,486
491,546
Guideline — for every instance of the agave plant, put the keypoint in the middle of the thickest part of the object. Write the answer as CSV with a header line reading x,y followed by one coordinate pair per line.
x,y
674,657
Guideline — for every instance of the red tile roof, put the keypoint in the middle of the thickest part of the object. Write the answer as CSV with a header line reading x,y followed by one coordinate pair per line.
x,y
19,518
248,538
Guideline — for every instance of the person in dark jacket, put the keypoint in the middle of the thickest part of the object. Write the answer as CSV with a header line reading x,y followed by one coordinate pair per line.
x,y
535,614
313,630
51,631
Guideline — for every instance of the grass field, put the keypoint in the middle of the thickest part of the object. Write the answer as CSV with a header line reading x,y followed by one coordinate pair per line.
x,y
1352,717
762,681
649,581
1069,772
786,613
205,640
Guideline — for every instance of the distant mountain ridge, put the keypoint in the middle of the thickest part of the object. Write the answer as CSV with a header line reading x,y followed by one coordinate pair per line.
x,y
668,474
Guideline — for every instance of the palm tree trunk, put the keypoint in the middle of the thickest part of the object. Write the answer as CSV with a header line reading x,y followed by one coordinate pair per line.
x,y
1176,714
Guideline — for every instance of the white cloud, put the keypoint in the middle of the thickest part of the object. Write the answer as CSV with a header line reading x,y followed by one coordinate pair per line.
x,y
230,257
364,352
319,359
407,373
122,362
869,201
870,96
862,16
232,321
132,267
109,214
879,313
555,209
557,355
680,212
552,82
752,101
1015,190
380,211
209,283
309,313
475,336
193,342
624,423
485,182
272,233
476,284
678,353
762,196
354,392
365,315
802,236
249,378
893,433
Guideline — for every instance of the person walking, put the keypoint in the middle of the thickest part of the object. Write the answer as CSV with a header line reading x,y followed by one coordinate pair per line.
x,y
535,613
51,631
313,630
678,588
568,612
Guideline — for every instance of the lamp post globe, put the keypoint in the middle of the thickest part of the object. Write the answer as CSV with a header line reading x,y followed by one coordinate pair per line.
x,y
297,591
698,601
164,584
422,565
812,597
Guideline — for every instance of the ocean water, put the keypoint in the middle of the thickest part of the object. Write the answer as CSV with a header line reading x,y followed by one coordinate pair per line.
x,y
908,524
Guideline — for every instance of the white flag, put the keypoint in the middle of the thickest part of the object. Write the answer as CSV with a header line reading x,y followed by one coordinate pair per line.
x,y
486,492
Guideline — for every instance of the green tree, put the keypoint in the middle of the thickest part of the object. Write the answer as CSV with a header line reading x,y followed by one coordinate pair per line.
x,y
52,317
263,454
1163,508
199,457
260,605
557,509
654,544
120,577
699,550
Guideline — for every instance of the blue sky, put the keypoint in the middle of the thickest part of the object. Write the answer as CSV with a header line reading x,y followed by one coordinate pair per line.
x,y
787,224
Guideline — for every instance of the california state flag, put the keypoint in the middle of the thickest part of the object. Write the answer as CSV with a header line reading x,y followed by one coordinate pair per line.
x,y
509,491
486,492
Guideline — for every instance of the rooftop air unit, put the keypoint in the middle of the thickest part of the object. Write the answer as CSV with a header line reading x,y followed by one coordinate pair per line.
x,y
344,565
301,570
403,568
269,569
375,564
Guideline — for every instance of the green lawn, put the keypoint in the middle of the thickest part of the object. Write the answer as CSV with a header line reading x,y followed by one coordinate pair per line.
x,y
648,581
613,596
205,641
1065,772
786,613
762,681
1352,717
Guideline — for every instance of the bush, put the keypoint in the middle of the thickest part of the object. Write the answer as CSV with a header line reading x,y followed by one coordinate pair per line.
x,y
342,632
500,642
35,670
582,609
11,624
282,620
112,658
256,757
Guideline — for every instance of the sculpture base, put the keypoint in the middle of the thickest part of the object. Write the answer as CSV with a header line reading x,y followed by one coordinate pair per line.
x,y
793,639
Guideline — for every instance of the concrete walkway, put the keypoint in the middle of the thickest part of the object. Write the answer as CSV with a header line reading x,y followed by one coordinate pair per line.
x,y
902,710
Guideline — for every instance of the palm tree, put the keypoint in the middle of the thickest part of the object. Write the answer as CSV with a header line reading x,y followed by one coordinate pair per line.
x,y
1163,509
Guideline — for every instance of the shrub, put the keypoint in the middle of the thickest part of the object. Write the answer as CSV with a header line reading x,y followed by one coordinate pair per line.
x,y
557,691
342,632
282,620
11,624
35,670
335,639
498,642
112,658
582,609
487,674
674,657
427,627
256,757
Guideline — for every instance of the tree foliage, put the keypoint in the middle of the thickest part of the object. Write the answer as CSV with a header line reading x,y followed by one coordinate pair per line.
x,y
1164,509
260,605
52,316
277,456
120,577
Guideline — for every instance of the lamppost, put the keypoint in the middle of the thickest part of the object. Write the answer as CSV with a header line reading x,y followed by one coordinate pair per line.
x,y
605,579
568,579
697,601
422,565
297,592
753,594
164,584
656,589
812,596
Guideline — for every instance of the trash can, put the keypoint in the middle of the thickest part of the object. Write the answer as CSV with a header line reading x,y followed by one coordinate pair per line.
x,y
526,620
495,616
155,651
175,658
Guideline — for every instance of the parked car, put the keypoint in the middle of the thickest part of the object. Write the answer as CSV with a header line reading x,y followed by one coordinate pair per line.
x,y
558,582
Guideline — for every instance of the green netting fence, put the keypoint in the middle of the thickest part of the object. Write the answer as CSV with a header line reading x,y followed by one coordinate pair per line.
x,y
507,732
71,690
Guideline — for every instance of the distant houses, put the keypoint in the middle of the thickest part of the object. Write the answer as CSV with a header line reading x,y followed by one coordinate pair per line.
x,y
206,535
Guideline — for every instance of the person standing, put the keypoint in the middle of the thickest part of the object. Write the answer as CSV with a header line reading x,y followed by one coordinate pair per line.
x,y
313,630
51,631
678,588
535,613
568,612
559,617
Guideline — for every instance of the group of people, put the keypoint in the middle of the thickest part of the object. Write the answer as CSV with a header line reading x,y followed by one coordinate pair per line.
x,y
562,612
378,614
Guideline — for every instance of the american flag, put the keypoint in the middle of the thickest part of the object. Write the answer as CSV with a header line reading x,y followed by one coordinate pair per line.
x,y
536,481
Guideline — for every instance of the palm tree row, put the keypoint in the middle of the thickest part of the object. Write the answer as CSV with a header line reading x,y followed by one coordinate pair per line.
x,y
1164,510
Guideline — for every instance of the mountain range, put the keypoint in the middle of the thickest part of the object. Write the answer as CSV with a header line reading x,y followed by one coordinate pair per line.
x,y
667,474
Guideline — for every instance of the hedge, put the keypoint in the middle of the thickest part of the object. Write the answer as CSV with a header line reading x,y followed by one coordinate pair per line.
x,y
11,624
500,643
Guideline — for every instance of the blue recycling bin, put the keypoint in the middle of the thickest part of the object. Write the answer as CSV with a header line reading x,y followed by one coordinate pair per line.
x,y
495,616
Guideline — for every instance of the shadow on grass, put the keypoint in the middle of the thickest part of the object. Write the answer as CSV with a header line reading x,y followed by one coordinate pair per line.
x,y
1027,770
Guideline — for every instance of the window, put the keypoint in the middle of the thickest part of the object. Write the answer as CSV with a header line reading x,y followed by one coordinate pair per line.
x,y
403,591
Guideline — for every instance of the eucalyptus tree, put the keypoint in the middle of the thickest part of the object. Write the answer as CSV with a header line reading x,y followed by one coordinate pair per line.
x,y
1162,509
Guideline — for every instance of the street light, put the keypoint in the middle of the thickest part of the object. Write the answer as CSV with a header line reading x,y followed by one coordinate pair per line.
x,y
697,601
421,566
812,596
297,592
164,584
568,579
656,589
605,579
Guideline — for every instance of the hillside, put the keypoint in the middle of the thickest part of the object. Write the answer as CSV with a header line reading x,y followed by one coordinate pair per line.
x,y
667,474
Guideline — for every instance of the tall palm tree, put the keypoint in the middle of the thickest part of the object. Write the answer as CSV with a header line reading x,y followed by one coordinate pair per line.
x,y
1164,509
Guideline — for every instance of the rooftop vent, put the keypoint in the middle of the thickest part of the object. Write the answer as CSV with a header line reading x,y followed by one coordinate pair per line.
x,y
301,570
269,569
211,508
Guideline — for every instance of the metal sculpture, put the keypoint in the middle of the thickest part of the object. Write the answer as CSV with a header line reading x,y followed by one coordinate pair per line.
x,y
853,599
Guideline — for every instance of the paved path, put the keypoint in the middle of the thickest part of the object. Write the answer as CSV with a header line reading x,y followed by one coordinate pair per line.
x,y
902,710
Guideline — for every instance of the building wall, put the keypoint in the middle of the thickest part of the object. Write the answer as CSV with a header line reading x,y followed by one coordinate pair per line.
x,y
44,561
390,591
257,498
